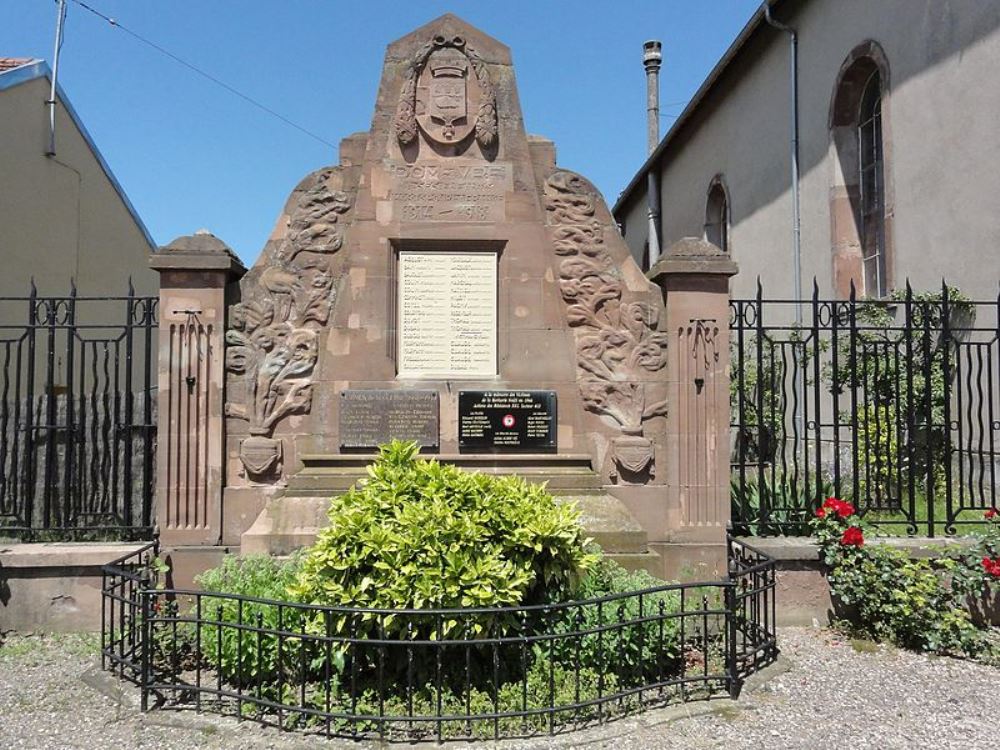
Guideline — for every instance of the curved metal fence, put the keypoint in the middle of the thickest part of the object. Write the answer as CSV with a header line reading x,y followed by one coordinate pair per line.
x,y
446,673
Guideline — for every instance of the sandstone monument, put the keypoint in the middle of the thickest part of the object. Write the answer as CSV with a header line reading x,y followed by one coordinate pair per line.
x,y
448,283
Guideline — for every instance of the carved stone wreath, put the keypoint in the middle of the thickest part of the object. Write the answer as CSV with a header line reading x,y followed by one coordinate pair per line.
x,y
616,339
273,339
457,57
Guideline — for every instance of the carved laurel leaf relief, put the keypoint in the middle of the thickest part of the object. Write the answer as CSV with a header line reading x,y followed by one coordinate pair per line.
x,y
272,345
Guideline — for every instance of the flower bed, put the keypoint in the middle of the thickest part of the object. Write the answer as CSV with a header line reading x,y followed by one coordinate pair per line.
x,y
495,672
441,603
940,605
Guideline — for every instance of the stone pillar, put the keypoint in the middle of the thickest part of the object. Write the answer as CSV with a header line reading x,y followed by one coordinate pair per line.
x,y
694,277
194,271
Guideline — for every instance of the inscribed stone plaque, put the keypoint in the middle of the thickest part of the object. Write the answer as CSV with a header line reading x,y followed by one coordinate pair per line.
x,y
369,418
452,191
506,420
447,314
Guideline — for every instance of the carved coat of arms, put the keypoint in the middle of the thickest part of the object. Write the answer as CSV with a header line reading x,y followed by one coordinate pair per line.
x,y
447,94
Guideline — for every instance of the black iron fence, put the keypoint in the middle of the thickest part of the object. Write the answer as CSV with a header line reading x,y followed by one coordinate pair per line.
x,y
891,404
122,583
442,674
77,416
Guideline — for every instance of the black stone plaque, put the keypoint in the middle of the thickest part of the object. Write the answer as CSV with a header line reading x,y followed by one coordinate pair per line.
x,y
369,418
507,420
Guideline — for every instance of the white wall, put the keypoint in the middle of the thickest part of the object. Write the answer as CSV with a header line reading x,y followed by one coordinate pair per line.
x,y
942,111
61,217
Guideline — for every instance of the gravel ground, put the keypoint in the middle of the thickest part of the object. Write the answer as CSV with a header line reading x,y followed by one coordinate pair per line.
x,y
834,693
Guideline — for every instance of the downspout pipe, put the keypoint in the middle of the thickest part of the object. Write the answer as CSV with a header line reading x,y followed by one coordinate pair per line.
x,y
652,57
793,39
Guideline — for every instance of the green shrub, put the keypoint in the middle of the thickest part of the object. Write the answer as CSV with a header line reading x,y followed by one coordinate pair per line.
x,y
544,685
420,534
638,648
244,656
886,595
787,503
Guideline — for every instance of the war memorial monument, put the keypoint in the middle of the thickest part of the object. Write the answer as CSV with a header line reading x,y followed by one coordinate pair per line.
x,y
446,283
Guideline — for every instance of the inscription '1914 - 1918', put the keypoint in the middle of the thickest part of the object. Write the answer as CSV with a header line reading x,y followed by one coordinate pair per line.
x,y
454,191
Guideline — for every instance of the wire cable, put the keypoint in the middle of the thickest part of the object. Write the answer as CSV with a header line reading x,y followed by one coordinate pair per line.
x,y
202,73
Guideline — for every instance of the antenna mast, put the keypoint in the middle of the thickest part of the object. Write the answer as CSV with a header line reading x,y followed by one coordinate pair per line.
x,y
60,18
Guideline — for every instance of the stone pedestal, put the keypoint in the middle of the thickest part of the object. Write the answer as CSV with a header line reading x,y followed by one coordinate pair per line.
x,y
694,277
194,271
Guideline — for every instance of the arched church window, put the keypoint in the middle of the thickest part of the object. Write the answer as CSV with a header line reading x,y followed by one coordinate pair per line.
x,y
717,216
861,203
871,179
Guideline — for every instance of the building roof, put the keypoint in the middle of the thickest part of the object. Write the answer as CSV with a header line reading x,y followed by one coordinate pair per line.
x,y
17,70
753,27
9,63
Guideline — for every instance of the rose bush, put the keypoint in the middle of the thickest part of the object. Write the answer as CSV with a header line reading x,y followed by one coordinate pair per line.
x,y
923,604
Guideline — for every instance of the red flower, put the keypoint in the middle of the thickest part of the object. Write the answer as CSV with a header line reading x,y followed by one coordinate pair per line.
x,y
990,514
853,537
842,508
821,513
992,566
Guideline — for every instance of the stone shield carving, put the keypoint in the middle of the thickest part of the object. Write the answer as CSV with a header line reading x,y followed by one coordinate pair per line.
x,y
633,455
617,339
272,344
447,94
261,455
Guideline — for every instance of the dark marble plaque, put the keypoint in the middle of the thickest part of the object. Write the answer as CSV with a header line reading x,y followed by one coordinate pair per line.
x,y
506,420
369,418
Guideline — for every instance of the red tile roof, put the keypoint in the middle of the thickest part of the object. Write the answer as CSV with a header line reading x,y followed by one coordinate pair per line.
x,y
9,63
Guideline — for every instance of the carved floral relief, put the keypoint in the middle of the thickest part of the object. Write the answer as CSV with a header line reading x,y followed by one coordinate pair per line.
x,y
272,343
617,339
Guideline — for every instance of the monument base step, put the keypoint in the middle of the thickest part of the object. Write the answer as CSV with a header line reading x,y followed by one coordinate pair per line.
x,y
325,475
294,519
649,561
290,522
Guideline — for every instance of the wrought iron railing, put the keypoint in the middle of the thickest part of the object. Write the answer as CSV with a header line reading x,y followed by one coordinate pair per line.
x,y
77,416
891,404
123,582
448,673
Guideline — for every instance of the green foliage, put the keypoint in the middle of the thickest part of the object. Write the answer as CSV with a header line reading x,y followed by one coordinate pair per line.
x,y
242,655
786,501
420,534
898,371
762,419
622,651
545,684
886,595
878,440
970,577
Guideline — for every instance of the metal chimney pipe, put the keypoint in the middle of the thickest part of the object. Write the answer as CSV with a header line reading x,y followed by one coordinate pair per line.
x,y
652,57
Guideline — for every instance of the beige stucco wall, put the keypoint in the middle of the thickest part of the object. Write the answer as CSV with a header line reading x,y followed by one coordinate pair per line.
x,y
61,217
941,113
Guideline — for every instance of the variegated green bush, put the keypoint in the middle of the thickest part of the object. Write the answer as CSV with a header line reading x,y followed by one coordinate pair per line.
x,y
420,534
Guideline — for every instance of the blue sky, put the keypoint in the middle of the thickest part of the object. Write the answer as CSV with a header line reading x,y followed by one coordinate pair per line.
x,y
191,155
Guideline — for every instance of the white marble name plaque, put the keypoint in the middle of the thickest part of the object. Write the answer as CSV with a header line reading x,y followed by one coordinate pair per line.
x,y
449,191
447,314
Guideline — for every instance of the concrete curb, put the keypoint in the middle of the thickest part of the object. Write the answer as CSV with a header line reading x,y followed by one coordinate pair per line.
x,y
126,696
